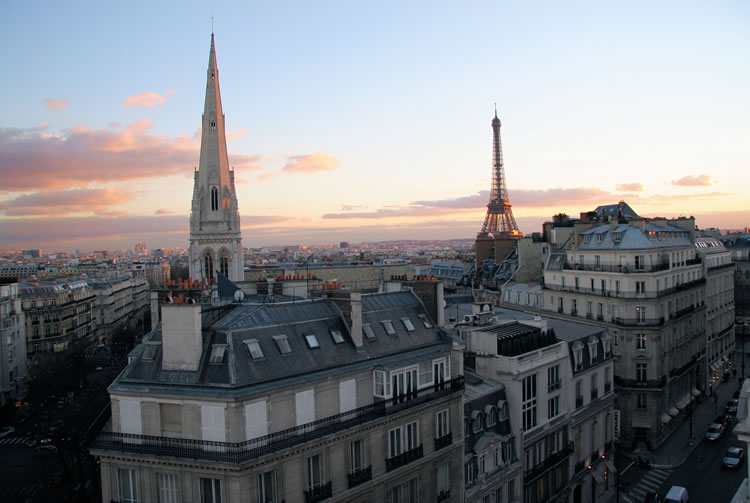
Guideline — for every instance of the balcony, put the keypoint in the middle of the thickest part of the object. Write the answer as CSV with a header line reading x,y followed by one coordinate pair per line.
x,y
443,441
619,294
594,394
680,371
404,458
315,494
719,267
614,268
693,261
241,452
553,386
640,322
607,387
550,462
579,402
360,476
635,383
444,496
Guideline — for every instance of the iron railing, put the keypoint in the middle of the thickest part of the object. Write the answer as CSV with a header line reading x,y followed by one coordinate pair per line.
x,y
241,452
443,441
404,458
615,267
444,496
549,462
360,476
619,294
319,493
635,383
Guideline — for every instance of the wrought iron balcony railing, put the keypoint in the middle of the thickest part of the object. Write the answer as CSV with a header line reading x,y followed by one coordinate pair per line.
x,y
404,458
360,476
549,462
615,267
241,452
659,382
319,493
443,441
444,496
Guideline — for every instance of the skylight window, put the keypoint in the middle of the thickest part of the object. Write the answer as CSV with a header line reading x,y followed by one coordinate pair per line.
x,y
312,341
425,320
254,347
388,327
369,332
282,343
408,324
217,353
337,337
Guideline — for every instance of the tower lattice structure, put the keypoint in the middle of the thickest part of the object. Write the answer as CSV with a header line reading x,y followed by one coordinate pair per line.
x,y
499,220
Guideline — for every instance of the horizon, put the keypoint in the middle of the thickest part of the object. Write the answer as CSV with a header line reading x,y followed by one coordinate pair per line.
x,y
358,124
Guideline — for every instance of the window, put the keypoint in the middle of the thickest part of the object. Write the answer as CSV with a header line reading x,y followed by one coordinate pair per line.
x,y
607,380
394,442
412,435
168,490
593,348
553,378
382,384
224,265
640,372
640,287
208,267
597,260
641,338
214,193
425,373
254,347
442,479
529,402
600,237
367,329
126,485
312,341
553,407
404,493
217,353
357,455
403,439
337,337
641,400
314,471
578,355
408,324
640,262
267,487
170,415
282,343
640,314
606,344
442,426
470,471
388,327
594,387
579,394
425,321
511,490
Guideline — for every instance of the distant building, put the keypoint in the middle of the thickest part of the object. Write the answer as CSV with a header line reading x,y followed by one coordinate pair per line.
x,y
33,253
13,368
120,301
344,244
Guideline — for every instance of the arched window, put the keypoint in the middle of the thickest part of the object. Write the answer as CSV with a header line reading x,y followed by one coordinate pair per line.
x,y
224,265
214,198
208,271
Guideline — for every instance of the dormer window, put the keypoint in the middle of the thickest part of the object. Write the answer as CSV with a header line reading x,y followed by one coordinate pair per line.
x,y
425,320
599,238
616,237
312,341
217,353
607,344
593,348
577,355
408,324
282,343
388,325
368,331
254,347
337,337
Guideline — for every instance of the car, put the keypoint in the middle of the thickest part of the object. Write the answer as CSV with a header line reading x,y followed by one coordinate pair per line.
x,y
6,430
724,420
715,431
98,369
651,497
45,441
677,494
733,458
731,406
46,448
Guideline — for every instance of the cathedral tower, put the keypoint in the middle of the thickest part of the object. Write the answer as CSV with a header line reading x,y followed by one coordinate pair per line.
x,y
215,239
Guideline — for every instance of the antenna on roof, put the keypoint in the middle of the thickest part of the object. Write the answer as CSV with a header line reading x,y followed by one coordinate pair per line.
x,y
212,24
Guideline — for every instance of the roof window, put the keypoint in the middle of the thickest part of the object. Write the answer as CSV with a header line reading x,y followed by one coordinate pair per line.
x,y
408,324
425,320
282,342
217,353
312,341
337,337
388,327
254,347
369,332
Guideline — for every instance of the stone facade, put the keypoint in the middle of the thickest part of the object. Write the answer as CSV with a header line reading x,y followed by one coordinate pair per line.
x,y
12,343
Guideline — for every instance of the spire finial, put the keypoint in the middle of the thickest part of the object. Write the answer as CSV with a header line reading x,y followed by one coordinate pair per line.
x,y
212,25
495,110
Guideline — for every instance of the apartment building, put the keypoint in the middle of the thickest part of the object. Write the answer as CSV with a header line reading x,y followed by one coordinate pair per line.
x,y
558,379
718,269
58,316
120,300
355,398
738,245
645,281
12,343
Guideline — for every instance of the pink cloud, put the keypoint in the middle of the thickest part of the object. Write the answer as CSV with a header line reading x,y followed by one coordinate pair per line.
x,y
693,181
30,160
231,135
266,176
114,124
147,99
163,211
630,187
56,103
311,163
65,202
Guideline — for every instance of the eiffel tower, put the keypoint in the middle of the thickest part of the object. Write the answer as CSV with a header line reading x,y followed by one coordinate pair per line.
x,y
499,221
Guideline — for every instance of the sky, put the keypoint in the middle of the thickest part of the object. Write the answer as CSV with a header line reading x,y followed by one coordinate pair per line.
x,y
368,121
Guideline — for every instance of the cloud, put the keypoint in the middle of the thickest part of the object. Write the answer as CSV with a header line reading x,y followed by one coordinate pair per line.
x,y
350,207
231,135
630,187
163,211
56,103
114,125
266,176
147,99
311,163
240,181
693,181
65,202
81,156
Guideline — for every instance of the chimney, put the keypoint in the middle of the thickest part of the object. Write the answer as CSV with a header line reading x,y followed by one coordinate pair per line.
x,y
356,318
432,294
182,336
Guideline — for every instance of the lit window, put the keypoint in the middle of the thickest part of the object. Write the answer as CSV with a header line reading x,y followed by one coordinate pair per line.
x,y
312,341
369,332
282,343
254,347
408,324
217,353
337,337
388,327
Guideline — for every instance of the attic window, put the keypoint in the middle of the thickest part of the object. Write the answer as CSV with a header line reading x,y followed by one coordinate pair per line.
x,y
282,343
369,332
217,353
312,341
254,347
587,238
408,324
337,337
616,237
425,320
600,237
388,327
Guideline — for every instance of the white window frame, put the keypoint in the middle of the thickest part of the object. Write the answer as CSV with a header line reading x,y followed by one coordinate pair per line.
x,y
442,423
253,347
169,487
381,384
263,489
215,495
127,485
313,473
312,341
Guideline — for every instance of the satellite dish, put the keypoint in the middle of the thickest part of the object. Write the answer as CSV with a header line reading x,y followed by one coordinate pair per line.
x,y
239,295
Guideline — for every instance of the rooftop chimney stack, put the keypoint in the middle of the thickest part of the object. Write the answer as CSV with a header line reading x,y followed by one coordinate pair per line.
x,y
182,336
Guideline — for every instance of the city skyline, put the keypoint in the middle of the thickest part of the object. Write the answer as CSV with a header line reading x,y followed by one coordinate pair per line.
x,y
369,123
